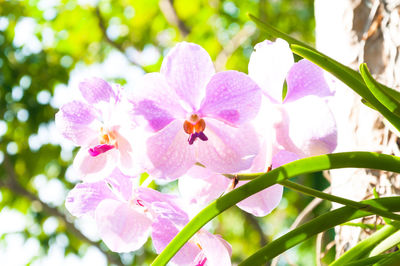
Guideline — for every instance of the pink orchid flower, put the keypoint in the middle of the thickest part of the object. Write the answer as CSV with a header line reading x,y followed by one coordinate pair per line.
x,y
303,121
124,215
197,115
99,126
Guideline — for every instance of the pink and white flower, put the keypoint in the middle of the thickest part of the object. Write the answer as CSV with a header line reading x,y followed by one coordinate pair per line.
x,y
197,115
99,125
126,216
302,121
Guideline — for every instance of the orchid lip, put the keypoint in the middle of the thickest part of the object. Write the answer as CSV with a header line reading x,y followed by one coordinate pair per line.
x,y
99,149
195,127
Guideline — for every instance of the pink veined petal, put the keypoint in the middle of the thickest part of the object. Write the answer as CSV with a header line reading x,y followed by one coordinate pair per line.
x,y
169,151
232,97
263,202
157,102
214,249
310,128
228,149
74,121
90,168
163,232
269,65
306,78
95,90
122,228
201,185
121,184
162,205
282,157
188,68
85,197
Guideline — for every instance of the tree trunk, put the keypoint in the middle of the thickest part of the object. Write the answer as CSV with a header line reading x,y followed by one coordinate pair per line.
x,y
352,32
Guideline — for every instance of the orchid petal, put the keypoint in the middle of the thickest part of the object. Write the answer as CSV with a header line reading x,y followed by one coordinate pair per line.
x,y
163,232
95,90
170,152
163,205
188,68
306,78
309,129
156,101
90,168
263,202
132,152
122,228
228,149
121,184
269,65
231,97
74,121
283,157
201,185
214,249
85,197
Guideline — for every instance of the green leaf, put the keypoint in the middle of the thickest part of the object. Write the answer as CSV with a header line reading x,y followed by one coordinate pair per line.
x,y
386,244
366,261
315,226
303,166
275,32
316,193
363,248
391,259
379,92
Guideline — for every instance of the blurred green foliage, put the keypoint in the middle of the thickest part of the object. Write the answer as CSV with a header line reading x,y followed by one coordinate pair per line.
x,y
41,42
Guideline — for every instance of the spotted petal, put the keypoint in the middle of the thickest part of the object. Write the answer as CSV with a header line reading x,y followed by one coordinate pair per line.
x,y
85,197
228,149
121,227
306,78
309,128
232,97
157,102
169,152
188,68
95,90
75,121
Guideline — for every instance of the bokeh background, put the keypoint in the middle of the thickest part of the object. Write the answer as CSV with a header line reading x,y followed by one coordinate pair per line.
x,y
48,46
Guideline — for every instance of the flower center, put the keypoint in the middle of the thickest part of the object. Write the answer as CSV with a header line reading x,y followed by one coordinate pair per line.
x,y
195,126
107,140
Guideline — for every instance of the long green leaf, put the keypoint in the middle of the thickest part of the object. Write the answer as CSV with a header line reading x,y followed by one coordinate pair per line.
x,y
363,248
302,166
350,203
350,77
313,227
392,259
366,261
379,91
386,244
275,32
